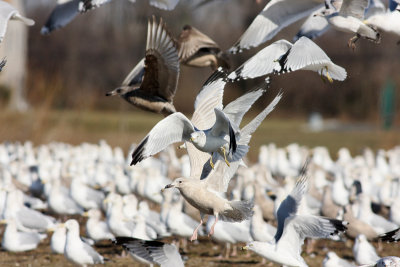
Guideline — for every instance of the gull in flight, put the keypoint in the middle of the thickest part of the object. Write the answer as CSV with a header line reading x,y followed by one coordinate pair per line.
x,y
76,250
392,236
198,50
282,56
67,10
293,228
8,12
204,191
350,19
275,16
218,137
155,252
152,84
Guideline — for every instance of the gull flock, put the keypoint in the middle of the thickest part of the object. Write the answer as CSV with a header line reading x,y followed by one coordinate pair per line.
x,y
289,195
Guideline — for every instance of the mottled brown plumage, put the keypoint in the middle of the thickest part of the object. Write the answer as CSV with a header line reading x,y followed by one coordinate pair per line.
x,y
198,50
154,88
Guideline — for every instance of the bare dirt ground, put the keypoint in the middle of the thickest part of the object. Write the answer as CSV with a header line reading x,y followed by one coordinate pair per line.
x,y
205,252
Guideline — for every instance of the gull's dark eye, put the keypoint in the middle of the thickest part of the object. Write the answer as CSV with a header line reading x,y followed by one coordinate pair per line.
x,y
180,182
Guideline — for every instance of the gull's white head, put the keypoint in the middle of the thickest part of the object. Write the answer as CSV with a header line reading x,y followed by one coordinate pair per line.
x,y
177,183
198,138
72,226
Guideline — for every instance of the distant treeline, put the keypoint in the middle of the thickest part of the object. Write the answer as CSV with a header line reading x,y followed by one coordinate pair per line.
x,y
77,65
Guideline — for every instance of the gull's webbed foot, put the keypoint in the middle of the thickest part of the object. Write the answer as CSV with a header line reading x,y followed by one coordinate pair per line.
x,y
226,160
328,76
352,42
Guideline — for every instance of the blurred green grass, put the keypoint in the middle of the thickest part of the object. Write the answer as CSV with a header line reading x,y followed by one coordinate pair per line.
x,y
122,128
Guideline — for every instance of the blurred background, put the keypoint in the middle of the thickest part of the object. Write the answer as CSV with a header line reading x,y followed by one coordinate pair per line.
x,y
60,93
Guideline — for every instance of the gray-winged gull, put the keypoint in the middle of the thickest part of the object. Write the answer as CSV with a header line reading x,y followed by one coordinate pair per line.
x,y
8,12
177,127
332,260
204,194
391,236
76,250
86,5
282,57
57,241
156,252
61,15
16,241
364,252
158,82
350,19
292,229
275,16
95,228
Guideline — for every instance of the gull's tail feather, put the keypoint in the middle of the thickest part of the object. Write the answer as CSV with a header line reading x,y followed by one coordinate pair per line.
x,y
241,210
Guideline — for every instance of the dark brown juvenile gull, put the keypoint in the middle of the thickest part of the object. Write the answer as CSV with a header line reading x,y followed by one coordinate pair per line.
x,y
198,50
161,73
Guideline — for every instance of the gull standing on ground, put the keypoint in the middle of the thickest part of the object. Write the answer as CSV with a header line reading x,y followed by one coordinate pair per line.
x,y
177,127
292,229
8,12
364,252
95,228
276,15
16,241
165,255
76,250
57,241
333,260
204,194
153,88
282,57
350,19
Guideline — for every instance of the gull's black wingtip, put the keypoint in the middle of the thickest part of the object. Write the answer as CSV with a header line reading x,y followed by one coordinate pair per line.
x,y
137,155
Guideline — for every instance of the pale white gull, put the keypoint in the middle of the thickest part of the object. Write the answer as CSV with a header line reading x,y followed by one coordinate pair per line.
x,y
364,252
8,12
282,57
204,194
333,260
292,229
275,16
76,250
16,241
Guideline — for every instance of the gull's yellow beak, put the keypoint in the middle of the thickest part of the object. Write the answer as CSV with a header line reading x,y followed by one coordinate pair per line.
x,y
4,221
191,139
245,248
86,213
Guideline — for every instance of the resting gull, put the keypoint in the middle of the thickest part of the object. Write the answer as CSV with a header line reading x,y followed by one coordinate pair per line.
x,y
275,16
204,194
282,56
292,229
333,260
8,12
156,252
364,252
16,241
152,84
177,127
76,250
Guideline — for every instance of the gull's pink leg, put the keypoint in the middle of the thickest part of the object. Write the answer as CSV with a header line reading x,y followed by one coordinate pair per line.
x,y
212,227
194,236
